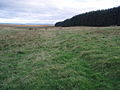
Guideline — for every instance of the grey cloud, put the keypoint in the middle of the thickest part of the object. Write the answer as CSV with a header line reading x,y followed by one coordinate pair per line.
x,y
20,9
40,10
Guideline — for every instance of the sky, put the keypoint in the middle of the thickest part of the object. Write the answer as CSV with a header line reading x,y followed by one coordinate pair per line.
x,y
48,11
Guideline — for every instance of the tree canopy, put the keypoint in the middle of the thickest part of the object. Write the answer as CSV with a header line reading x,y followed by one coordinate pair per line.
x,y
108,17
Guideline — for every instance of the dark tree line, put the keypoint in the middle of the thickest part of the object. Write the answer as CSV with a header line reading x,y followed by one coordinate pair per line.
x,y
106,17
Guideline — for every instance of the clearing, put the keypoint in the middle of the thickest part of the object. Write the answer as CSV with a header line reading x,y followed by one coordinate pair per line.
x,y
59,58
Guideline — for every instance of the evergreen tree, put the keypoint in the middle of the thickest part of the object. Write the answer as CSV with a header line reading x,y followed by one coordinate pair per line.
x,y
95,18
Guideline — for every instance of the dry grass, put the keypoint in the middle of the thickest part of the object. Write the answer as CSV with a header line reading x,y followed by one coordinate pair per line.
x,y
59,58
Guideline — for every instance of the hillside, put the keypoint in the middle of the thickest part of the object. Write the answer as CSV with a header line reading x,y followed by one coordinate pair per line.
x,y
58,58
108,17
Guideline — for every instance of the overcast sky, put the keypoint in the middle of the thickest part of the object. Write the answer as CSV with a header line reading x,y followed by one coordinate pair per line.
x,y
48,11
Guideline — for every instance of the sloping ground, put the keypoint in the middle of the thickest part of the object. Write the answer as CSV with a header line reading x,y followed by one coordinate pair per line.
x,y
76,58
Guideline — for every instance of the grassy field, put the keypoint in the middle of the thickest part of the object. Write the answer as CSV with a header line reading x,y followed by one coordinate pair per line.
x,y
57,58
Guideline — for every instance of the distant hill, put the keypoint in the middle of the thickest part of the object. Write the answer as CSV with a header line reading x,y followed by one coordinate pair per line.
x,y
26,24
108,17
23,25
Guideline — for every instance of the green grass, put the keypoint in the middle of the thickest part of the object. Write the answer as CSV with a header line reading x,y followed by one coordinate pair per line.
x,y
76,58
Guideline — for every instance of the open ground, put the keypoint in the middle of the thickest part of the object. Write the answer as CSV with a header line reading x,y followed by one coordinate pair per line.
x,y
59,58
